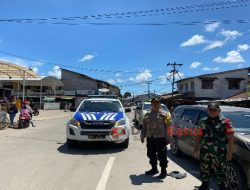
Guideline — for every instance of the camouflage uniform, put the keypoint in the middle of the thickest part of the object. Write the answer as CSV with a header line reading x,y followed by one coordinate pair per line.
x,y
213,149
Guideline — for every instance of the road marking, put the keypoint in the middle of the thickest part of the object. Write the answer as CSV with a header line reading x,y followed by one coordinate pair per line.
x,y
105,174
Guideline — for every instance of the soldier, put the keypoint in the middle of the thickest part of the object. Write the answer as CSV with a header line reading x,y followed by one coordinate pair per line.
x,y
216,147
154,128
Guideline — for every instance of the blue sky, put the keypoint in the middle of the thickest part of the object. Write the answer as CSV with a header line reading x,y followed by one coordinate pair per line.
x,y
141,51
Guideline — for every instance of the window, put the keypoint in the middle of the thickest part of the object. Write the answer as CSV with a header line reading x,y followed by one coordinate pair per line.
x,y
207,84
191,115
181,86
149,107
239,119
186,86
178,112
202,115
233,84
192,85
100,106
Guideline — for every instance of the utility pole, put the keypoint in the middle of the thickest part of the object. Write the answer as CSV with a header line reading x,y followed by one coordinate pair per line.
x,y
148,83
173,71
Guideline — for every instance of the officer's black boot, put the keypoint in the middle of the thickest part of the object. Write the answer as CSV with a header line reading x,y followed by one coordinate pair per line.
x,y
223,187
204,186
163,174
153,171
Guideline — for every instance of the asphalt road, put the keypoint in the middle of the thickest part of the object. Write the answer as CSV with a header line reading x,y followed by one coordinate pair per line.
x,y
38,158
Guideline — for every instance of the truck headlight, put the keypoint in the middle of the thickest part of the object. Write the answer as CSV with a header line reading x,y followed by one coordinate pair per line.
x,y
121,122
74,122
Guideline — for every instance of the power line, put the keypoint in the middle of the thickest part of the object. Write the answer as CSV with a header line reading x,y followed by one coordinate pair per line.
x,y
143,13
145,82
183,23
71,66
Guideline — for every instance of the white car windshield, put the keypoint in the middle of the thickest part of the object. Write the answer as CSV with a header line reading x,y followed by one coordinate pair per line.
x,y
100,106
239,119
148,107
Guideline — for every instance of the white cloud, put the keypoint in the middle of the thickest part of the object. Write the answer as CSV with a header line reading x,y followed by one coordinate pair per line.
x,y
111,81
144,76
87,57
165,78
120,80
231,34
118,74
240,65
37,63
56,72
243,47
195,40
210,69
212,27
195,64
35,69
131,79
232,57
214,44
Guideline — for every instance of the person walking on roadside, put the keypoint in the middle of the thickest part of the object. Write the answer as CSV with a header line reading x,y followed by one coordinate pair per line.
x,y
216,147
12,111
154,129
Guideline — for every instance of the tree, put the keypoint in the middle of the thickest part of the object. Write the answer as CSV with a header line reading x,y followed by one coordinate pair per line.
x,y
127,94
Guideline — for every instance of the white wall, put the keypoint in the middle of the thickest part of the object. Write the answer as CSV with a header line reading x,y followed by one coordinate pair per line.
x,y
51,106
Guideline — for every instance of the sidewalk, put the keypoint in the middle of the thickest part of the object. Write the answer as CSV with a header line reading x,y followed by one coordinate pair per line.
x,y
51,114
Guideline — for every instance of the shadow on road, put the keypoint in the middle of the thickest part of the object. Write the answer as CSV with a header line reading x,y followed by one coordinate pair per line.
x,y
142,178
93,148
190,165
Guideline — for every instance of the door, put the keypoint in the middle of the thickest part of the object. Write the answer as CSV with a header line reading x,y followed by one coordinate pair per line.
x,y
189,120
176,122
202,114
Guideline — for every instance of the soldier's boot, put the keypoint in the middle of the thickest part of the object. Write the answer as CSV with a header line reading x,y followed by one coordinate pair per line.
x,y
153,171
163,174
204,186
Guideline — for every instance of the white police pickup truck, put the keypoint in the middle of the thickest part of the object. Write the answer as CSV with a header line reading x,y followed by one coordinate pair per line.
x,y
99,119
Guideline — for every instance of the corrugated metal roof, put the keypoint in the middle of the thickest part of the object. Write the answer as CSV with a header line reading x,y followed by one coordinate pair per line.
x,y
10,70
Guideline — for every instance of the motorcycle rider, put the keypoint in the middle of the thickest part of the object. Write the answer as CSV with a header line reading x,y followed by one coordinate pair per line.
x,y
26,104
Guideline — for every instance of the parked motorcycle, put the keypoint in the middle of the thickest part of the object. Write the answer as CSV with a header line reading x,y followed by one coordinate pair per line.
x,y
24,119
35,111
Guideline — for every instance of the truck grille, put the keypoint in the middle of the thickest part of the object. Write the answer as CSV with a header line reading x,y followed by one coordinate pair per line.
x,y
97,125
94,133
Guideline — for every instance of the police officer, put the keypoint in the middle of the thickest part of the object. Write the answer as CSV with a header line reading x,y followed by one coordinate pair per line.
x,y
216,147
154,129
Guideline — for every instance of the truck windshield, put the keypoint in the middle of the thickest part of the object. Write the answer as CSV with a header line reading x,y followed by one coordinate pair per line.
x,y
100,106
